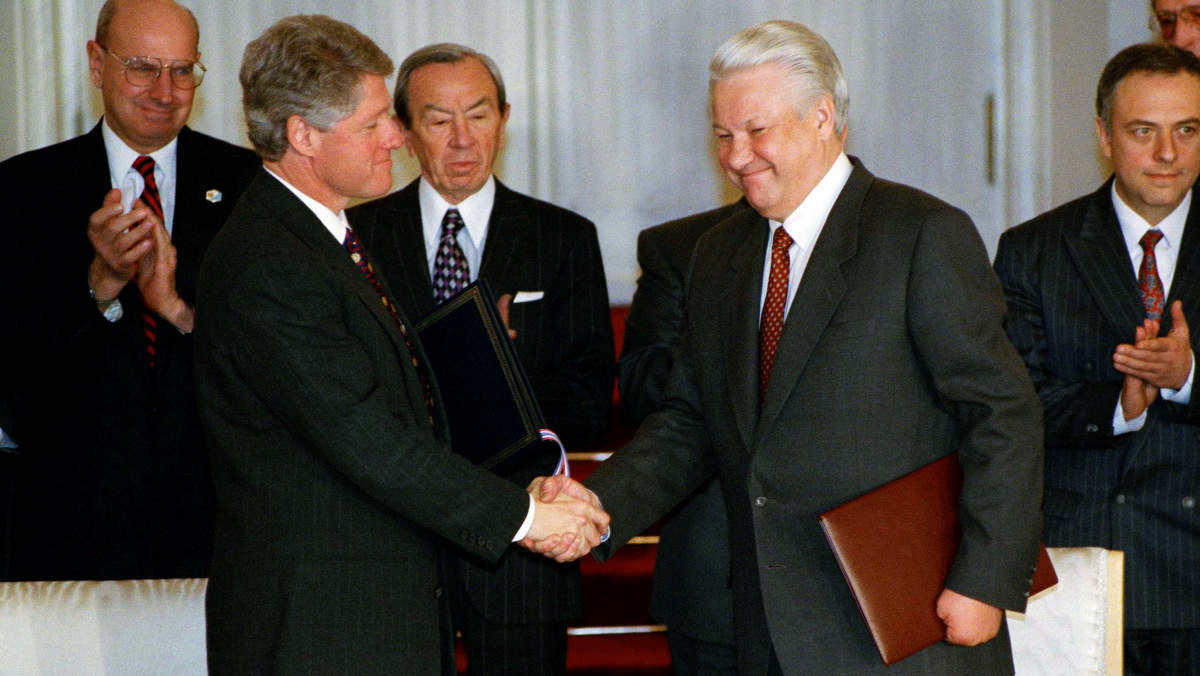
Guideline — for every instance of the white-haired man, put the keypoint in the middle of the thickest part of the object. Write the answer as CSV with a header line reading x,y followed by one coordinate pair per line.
x,y
842,333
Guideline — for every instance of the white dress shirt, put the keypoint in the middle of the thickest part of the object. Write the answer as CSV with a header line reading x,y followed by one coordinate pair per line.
x,y
476,211
337,225
131,183
804,225
1166,252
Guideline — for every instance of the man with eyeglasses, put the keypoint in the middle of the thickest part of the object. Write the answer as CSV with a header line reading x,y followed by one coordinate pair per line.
x,y
99,251
1178,22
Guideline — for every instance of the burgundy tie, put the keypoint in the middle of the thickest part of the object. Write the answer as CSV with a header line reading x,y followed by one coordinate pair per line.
x,y
144,165
1148,280
772,314
359,256
451,273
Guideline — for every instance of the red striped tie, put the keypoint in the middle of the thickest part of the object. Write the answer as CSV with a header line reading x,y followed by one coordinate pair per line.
x,y
144,165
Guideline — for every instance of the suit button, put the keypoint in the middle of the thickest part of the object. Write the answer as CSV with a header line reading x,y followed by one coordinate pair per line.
x,y
1088,366
1092,428
437,593
760,501
1188,502
1120,498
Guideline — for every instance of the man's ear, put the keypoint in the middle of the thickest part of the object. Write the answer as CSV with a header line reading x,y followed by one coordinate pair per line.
x,y
1105,138
304,138
826,117
95,54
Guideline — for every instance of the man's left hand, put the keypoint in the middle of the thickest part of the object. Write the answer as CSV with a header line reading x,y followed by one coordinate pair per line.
x,y
1164,362
504,304
156,281
968,622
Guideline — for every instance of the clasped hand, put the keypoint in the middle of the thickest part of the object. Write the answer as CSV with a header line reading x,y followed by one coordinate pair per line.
x,y
134,245
1154,362
567,520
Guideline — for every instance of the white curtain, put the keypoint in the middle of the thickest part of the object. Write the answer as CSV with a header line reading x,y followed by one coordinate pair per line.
x,y
609,97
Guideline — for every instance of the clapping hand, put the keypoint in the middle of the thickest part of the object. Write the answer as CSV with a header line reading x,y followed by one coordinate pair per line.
x,y
568,519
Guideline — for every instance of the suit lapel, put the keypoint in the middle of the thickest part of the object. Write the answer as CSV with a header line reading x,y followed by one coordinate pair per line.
x,y
505,226
818,295
413,286
739,319
1097,249
1185,284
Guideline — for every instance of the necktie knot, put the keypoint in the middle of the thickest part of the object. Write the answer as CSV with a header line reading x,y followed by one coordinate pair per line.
x,y
452,222
1150,240
781,240
144,165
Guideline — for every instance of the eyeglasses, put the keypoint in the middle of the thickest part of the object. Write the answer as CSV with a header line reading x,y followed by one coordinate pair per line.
x,y
143,71
1166,22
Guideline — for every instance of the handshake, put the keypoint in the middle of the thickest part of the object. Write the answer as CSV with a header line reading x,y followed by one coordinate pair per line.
x,y
567,519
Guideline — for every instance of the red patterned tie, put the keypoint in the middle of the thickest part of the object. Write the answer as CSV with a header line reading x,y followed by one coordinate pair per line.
x,y
451,273
144,165
359,256
772,314
1148,280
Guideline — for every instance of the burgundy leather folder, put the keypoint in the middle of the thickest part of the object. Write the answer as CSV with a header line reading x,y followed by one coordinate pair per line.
x,y
895,546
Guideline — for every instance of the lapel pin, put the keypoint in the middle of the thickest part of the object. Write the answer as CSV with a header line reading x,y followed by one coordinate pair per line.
x,y
213,196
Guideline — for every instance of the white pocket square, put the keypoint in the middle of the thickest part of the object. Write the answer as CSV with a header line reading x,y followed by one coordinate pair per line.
x,y
528,296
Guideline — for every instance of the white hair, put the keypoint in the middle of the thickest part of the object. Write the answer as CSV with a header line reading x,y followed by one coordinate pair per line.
x,y
812,68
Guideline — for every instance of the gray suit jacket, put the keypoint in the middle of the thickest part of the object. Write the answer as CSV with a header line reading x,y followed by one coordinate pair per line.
x,y
333,492
1072,298
891,356
691,592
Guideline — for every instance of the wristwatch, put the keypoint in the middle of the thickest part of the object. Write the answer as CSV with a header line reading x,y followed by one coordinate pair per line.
x,y
111,308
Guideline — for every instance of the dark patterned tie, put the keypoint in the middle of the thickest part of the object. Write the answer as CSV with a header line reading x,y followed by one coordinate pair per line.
x,y
1148,280
772,314
451,273
359,256
144,165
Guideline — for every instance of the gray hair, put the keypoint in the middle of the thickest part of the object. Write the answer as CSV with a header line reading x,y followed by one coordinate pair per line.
x,y
443,52
812,68
108,11
308,65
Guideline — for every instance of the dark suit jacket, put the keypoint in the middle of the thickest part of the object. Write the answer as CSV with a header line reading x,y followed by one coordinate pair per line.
x,y
691,592
564,342
1072,298
332,488
892,355
114,479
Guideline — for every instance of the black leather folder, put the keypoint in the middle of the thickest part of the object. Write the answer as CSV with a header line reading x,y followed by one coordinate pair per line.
x,y
493,417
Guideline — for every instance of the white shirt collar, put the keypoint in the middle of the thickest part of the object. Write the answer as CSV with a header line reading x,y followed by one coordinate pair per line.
x,y
121,157
1133,226
336,224
476,210
805,223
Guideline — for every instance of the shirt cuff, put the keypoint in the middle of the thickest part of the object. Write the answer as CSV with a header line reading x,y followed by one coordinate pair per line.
x,y
1184,394
528,523
6,441
1123,426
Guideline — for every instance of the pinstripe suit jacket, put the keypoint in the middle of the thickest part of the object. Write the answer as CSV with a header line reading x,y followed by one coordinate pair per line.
x,y
564,341
1072,298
